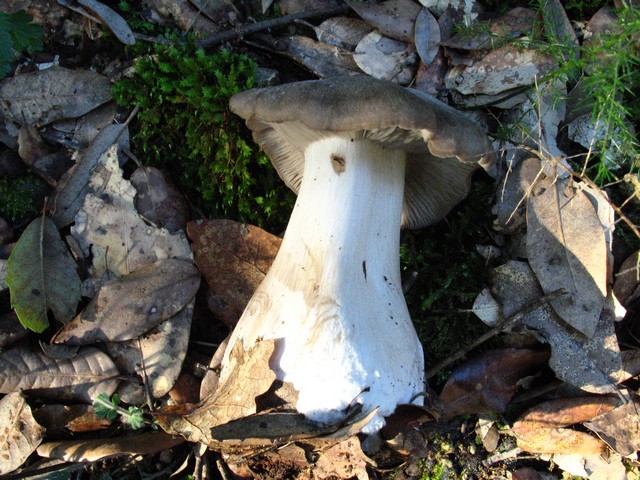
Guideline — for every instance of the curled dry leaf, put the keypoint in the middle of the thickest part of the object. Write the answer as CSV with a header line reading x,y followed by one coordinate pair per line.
x,y
94,450
79,378
392,18
619,427
234,259
567,250
44,96
251,376
385,58
130,306
109,228
42,276
71,192
20,434
487,382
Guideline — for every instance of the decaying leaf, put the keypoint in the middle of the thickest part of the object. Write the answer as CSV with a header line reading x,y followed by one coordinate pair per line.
x,y
75,418
11,330
234,259
500,70
94,450
427,37
343,32
110,229
486,383
157,356
158,201
130,306
627,280
250,377
392,18
619,427
44,96
541,429
70,194
567,250
385,58
42,276
83,130
20,434
515,285
592,466
79,378
111,20
322,59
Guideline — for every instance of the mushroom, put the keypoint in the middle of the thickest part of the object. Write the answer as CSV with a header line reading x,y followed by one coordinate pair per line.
x,y
365,157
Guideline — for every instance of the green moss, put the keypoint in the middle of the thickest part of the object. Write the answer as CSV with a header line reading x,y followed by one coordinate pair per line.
x,y
20,198
184,127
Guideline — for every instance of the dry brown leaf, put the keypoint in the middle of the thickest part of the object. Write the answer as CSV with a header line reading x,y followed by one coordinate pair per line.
x,y
234,259
79,378
427,38
619,427
392,18
567,250
157,356
20,434
540,439
83,130
386,58
487,382
130,306
343,32
94,450
75,418
250,376
44,96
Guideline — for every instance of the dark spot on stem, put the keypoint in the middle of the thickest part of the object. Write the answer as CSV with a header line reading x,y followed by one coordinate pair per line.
x,y
364,269
338,163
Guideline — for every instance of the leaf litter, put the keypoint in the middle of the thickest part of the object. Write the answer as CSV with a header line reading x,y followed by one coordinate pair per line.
x,y
583,348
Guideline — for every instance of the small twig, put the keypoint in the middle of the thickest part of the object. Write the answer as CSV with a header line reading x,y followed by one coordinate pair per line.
x,y
504,324
244,30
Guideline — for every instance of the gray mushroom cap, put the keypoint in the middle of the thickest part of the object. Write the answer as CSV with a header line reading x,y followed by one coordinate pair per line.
x,y
443,146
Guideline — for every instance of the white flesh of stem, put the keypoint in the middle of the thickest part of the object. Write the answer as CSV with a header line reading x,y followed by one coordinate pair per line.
x,y
332,299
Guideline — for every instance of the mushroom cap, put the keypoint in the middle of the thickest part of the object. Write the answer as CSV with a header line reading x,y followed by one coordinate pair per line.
x,y
443,146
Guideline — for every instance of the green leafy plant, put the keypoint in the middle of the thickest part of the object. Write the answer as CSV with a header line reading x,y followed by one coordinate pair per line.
x,y
17,34
184,127
110,408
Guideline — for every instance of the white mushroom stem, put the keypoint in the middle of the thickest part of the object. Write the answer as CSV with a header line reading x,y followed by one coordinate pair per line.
x,y
332,299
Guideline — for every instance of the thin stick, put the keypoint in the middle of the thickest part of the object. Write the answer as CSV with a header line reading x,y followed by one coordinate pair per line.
x,y
504,324
245,30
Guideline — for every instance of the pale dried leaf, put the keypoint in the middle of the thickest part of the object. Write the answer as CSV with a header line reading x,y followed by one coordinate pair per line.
x,y
385,58
109,228
70,194
343,32
94,450
42,276
392,18
83,130
500,70
515,285
486,308
20,434
44,96
130,306
592,467
111,20
619,427
567,250
427,37
78,378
